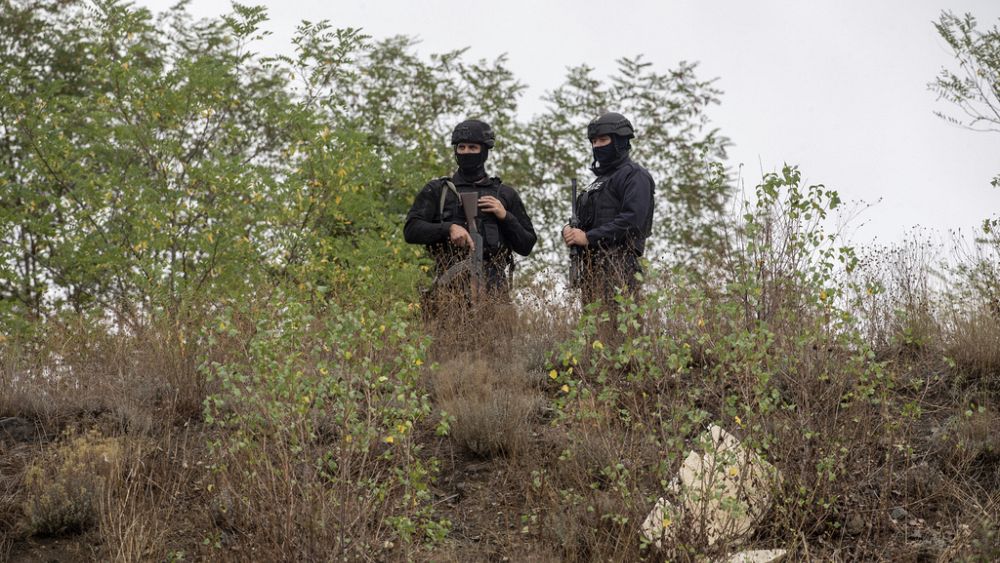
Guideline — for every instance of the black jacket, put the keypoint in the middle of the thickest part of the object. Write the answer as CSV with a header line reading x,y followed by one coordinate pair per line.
x,y
616,210
426,225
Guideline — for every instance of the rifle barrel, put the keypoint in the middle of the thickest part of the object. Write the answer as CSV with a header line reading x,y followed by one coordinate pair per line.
x,y
574,251
572,217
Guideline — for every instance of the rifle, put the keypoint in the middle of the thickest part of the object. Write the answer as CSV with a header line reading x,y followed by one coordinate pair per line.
x,y
474,263
575,252
470,205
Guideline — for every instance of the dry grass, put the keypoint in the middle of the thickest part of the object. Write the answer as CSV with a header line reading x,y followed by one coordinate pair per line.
x,y
106,457
63,491
144,509
493,414
974,344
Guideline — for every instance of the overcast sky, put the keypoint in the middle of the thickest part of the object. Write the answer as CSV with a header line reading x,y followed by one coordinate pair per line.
x,y
837,87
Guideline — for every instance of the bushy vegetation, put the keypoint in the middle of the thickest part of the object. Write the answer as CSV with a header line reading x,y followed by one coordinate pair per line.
x,y
214,346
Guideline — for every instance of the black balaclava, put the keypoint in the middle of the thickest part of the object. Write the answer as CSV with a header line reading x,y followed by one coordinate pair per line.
x,y
608,157
472,166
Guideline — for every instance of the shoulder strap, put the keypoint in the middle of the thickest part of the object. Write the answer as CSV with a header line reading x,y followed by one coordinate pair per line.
x,y
444,194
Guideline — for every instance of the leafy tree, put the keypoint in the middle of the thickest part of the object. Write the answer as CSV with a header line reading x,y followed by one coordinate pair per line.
x,y
137,172
157,165
40,46
385,115
675,141
975,87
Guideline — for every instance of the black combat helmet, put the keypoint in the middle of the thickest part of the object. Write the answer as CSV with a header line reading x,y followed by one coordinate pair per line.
x,y
473,131
611,123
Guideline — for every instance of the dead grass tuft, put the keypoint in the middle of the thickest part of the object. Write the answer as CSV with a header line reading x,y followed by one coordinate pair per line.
x,y
64,492
974,345
494,409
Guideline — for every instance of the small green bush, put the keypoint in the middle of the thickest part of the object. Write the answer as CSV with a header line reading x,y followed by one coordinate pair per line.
x,y
318,411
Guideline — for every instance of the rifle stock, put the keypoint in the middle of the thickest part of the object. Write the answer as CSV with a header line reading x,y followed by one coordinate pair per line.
x,y
470,206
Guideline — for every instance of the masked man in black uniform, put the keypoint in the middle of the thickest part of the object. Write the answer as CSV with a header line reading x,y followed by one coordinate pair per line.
x,y
615,213
436,218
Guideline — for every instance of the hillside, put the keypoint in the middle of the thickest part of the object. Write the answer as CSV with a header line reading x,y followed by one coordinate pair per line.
x,y
520,435
216,345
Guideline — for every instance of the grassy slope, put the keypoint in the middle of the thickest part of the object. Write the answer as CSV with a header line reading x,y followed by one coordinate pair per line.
x,y
527,470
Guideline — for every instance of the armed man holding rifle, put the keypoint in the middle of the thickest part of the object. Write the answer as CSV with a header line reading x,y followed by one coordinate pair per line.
x,y
471,222
614,214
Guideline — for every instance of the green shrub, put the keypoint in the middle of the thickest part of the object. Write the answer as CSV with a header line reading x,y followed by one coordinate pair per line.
x,y
760,342
327,406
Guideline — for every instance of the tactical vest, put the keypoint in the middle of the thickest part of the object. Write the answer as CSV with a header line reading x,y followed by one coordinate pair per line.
x,y
598,204
450,210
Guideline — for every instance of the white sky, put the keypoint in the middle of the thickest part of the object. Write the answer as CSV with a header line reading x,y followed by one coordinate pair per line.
x,y
837,87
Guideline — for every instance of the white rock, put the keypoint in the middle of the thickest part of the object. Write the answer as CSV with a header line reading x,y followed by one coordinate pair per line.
x,y
759,556
725,490
659,526
728,487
